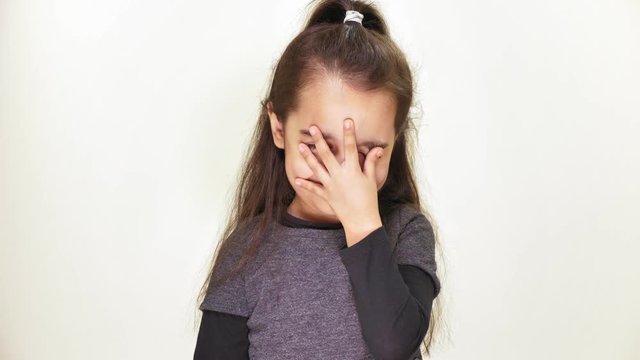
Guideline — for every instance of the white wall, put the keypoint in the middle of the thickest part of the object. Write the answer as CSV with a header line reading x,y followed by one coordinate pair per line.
x,y
122,122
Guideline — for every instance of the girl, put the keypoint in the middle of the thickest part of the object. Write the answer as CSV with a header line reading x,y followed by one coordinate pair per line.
x,y
327,253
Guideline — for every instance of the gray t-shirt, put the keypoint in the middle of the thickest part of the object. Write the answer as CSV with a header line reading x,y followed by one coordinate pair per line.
x,y
296,291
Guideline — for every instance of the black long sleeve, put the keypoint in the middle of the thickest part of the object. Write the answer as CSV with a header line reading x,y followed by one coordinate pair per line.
x,y
224,336
394,311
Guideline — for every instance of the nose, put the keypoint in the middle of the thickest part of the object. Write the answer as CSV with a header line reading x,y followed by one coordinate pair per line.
x,y
339,155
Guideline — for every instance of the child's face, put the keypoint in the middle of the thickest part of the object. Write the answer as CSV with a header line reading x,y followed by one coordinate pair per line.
x,y
326,103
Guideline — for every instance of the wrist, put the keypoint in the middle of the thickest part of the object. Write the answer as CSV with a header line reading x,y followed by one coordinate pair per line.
x,y
356,232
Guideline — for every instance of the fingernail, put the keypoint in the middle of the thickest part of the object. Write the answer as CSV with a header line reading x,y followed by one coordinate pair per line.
x,y
347,124
312,130
298,182
379,154
301,147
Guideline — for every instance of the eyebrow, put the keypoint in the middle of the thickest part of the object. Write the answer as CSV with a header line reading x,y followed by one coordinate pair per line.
x,y
368,144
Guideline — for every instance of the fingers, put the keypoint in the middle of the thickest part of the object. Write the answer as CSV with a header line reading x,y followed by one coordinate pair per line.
x,y
310,186
313,163
373,156
323,149
350,147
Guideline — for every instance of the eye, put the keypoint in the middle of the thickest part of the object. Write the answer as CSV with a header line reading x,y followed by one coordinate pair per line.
x,y
312,147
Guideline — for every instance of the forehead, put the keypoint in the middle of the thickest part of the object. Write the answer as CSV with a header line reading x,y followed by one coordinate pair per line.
x,y
328,100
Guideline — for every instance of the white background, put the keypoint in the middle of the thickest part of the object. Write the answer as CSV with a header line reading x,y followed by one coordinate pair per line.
x,y
122,124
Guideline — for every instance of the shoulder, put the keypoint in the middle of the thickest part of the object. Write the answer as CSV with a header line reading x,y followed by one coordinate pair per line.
x,y
407,213
246,228
404,219
238,239
411,217
415,241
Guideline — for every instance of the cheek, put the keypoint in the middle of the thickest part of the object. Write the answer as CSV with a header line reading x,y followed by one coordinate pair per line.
x,y
382,171
296,166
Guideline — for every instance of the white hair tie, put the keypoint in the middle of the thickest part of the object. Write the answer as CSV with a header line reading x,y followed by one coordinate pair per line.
x,y
353,15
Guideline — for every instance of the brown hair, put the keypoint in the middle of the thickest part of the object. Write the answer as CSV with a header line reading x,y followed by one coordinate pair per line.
x,y
367,58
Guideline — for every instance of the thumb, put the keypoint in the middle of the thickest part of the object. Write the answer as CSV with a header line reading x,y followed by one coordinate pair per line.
x,y
371,160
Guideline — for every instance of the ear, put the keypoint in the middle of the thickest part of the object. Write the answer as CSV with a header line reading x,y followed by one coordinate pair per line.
x,y
277,127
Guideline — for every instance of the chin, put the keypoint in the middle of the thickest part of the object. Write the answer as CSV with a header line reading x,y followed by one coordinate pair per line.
x,y
326,208
318,204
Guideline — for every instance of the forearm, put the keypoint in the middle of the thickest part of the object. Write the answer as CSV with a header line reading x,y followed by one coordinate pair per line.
x,y
393,321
